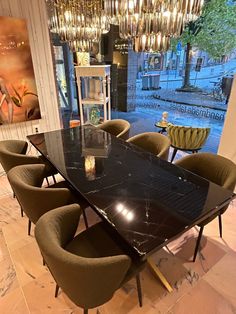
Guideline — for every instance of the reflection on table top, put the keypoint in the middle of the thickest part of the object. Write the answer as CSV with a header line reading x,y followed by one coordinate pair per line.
x,y
147,200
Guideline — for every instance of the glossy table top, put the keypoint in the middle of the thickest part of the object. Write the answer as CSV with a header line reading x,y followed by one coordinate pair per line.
x,y
148,201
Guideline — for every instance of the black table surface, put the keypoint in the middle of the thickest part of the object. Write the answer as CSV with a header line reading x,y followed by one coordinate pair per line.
x,y
148,201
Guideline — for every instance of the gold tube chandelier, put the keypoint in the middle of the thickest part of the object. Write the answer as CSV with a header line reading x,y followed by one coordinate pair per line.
x,y
148,23
151,23
78,22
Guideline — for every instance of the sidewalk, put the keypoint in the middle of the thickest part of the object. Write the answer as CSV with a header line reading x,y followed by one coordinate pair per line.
x,y
211,72
193,99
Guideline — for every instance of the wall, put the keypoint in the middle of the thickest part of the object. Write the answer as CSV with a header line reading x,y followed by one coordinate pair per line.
x,y
227,147
34,11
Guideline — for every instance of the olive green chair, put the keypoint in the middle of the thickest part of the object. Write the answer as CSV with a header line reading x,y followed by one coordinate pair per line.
x,y
186,138
215,168
13,153
35,200
152,142
88,267
117,127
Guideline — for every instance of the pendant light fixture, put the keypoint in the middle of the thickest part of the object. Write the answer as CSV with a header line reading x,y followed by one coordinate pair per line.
x,y
151,23
78,22
148,23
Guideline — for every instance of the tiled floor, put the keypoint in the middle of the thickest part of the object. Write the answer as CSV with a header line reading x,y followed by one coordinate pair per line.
x,y
204,287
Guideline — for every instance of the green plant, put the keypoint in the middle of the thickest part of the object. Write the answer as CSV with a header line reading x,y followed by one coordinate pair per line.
x,y
213,32
11,100
18,99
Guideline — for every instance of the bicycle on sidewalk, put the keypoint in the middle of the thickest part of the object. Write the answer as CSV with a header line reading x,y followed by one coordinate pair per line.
x,y
217,92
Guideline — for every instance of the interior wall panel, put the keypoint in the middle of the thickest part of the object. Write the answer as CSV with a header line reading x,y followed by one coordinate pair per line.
x,y
227,147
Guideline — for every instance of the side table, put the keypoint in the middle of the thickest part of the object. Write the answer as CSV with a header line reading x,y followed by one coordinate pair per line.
x,y
162,126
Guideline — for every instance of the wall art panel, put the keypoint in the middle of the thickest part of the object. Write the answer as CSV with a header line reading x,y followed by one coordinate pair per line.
x,y
18,92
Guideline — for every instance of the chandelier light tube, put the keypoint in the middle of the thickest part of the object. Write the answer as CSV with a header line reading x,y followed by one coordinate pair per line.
x,y
151,23
80,23
148,23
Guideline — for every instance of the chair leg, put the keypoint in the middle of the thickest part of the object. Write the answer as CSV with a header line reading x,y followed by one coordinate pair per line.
x,y
85,219
21,212
47,181
56,291
220,225
139,289
174,154
44,262
85,311
54,179
29,227
197,244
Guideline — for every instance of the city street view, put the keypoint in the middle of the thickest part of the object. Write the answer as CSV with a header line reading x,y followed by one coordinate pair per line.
x,y
205,107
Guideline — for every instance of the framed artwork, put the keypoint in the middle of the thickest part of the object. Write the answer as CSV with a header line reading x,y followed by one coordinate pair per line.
x,y
155,61
82,58
18,92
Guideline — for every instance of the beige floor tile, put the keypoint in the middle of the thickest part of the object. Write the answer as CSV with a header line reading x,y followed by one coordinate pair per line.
x,y
3,247
5,186
202,299
8,280
181,279
13,303
210,252
222,277
229,230
28,263
39,295
15,234
171,266
127,305
9,210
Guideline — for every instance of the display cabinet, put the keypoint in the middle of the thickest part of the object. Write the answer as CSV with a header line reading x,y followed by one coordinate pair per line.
x,y
93,84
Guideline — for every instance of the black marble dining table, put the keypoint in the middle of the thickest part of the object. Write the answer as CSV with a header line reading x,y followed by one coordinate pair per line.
x,y
145,200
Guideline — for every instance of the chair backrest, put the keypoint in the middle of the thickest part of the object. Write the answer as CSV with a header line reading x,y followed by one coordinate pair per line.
x,y
12,154
88,282
152,142
214,168
26,182
187,138
117,127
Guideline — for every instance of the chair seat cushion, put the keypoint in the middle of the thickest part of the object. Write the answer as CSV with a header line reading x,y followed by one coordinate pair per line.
x,y
95,242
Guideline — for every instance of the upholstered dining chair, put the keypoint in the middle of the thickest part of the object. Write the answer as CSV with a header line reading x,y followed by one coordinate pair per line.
x,y
88,267
117,127
186,138
36,200
215,168
152,142
13,153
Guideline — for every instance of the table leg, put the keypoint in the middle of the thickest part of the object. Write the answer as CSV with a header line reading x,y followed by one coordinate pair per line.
x,y
159,274
163,130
